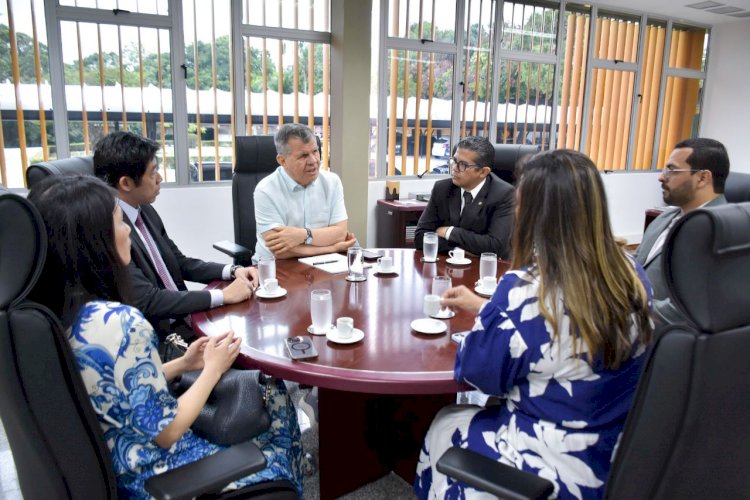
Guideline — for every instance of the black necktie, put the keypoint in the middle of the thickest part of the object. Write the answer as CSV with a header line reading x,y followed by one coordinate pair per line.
x,y
468,198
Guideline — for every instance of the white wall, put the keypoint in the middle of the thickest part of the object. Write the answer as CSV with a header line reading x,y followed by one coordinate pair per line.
x,y
726,107
197,217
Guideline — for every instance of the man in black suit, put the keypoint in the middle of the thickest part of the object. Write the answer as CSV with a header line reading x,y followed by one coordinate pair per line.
x,y
474,209
127,162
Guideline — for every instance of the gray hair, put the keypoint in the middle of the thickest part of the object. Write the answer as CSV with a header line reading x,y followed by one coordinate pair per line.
x,y
291,131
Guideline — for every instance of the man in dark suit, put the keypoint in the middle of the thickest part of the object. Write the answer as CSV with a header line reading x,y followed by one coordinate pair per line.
x,y
474,209
158,269
693,178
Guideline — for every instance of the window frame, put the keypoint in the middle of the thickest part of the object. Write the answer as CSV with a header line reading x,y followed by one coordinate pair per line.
x,y
500,56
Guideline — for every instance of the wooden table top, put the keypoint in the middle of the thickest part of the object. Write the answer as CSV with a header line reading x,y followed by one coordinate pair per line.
x,y
391,359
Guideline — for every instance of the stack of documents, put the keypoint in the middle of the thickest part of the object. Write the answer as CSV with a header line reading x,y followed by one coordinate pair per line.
x,y
333,263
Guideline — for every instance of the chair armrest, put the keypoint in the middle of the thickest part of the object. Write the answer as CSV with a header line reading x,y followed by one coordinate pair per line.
x,y
237,252
493,477
209,475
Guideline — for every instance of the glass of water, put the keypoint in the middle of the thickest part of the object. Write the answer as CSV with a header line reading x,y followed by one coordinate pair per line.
x,y
356,264
440,285
266,269
488,265
321,310
430,247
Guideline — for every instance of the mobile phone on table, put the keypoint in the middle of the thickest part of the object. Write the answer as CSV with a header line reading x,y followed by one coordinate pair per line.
x,y
371,254
458,336
301,348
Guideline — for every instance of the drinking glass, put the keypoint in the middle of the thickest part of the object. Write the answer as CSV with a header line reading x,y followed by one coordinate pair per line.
x,y
430,247
440,285
356,264
488,265
321,310
266,269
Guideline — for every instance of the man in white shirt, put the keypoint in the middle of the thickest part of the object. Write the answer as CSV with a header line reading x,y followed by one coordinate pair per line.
x,y
299,209
694,177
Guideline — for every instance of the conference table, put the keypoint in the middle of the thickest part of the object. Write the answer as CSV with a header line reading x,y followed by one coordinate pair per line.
x,y
377,396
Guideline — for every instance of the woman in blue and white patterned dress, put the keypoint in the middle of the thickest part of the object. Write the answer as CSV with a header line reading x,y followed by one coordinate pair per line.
x,y
561,341
86,284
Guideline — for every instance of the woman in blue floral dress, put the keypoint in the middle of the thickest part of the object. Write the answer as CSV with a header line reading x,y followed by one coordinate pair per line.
x,y
86,284
561,341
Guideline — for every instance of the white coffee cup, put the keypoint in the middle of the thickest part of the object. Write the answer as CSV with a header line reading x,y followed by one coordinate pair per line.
x,y
271,285
488,284
345,327
431,305
457,254
385,264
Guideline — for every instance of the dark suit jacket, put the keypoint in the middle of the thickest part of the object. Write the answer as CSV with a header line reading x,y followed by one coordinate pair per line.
x,y
486,224
664,311
157,303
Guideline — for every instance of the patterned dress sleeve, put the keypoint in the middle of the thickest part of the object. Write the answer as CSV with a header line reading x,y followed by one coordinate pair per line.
x,y
491,357
117,346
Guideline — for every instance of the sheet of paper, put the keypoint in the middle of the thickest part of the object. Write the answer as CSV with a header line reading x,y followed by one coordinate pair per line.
x,y
333,263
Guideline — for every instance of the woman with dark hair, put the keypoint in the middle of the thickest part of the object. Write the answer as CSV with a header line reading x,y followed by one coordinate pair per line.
x,y
561,341
146,429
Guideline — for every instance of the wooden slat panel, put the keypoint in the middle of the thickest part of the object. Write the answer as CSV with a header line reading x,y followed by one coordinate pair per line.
x,y
102,80
196,87
84,114
215,89
38,78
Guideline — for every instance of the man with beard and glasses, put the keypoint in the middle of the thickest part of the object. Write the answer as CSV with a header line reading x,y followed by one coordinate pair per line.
x,y
693,178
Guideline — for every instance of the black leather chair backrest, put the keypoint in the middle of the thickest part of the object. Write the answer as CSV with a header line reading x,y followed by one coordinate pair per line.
x,y
255,158
75,165
506,159
686,435
737,187
52,431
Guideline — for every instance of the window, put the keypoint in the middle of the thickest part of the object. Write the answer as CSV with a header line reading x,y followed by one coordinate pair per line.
x,y
419,81
622,88
527,68
117,78
176,76
27,133
286,64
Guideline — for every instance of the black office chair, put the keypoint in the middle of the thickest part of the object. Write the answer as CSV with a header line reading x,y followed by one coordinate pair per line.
x,y
506,159
57,443
75,165
255,158
686,435
737,187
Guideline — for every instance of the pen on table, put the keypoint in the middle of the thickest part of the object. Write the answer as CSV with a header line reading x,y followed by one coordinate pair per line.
x,y
324,262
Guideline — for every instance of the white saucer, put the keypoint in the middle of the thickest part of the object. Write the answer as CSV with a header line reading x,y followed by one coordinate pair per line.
x,y
363,278
447,314
312,331
263,294
376,269
357,335
459,262
484,293
427,325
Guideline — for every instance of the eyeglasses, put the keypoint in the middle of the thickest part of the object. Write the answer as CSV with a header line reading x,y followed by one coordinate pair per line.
x,y
461,166
667,171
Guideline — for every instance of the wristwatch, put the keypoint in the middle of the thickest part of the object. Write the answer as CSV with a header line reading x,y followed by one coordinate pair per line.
x,y
233,270
308,240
